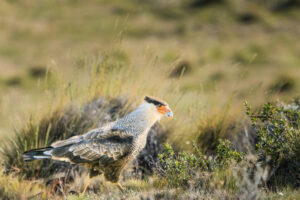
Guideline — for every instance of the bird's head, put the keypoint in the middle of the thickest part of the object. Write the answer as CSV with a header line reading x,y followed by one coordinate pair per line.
x,y
160,107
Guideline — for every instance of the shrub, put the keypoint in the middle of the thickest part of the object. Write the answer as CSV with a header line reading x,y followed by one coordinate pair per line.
x,y
203,3
218,125
225,154
37,71
278,138
181,69
14,81
180,169
283,83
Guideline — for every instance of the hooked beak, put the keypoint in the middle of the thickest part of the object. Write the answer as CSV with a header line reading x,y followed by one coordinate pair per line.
x,y
169,114
165,110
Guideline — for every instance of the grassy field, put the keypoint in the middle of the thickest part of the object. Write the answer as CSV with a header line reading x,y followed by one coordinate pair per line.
x,y
205,58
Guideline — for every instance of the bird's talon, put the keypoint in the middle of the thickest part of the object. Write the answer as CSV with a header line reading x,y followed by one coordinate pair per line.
x,y
119,186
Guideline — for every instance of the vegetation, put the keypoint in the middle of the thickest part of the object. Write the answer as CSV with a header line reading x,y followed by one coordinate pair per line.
x,y
278,143
68,66
180,169
275,161
61,124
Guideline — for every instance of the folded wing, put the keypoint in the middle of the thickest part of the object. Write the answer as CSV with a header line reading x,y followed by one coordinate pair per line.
x,y
103,151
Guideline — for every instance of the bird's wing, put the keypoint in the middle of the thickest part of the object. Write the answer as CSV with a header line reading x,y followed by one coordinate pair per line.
x,y
106,131
103,151
98,133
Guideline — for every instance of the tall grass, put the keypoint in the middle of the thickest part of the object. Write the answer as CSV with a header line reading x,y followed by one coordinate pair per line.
x,y
12,187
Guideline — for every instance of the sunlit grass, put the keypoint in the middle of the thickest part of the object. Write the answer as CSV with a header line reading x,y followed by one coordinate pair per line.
x,y
13,187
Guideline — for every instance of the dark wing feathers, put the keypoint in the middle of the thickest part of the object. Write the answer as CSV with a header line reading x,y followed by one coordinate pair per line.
x,y
93,134
96,150
102,133
102,145
71,140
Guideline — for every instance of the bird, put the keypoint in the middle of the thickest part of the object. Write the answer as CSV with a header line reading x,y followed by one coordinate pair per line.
x,y
108,149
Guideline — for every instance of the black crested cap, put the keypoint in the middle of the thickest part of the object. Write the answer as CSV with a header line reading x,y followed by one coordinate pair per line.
x,y
155,101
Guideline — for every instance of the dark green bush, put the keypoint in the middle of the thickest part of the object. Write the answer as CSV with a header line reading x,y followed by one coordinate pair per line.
x,y
225,154
181,168
277,161
216,126
278,141
181,69
14,81
37,71
283,83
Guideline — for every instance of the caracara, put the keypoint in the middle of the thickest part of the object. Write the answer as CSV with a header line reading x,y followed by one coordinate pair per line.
x,y
108,149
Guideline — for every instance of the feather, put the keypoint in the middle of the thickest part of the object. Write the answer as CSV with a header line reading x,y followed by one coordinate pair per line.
x,y
35,154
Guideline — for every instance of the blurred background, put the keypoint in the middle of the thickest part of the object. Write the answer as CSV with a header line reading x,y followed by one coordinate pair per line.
x,y
204,57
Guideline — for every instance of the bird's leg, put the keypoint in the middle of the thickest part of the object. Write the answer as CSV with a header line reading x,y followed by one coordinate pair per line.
x,y
86,185
93,173
119,186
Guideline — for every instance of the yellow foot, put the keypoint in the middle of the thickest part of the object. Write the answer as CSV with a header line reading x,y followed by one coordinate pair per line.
x,y
85,186
119,186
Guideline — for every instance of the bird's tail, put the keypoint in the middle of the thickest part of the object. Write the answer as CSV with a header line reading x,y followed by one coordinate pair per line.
x,y
36,154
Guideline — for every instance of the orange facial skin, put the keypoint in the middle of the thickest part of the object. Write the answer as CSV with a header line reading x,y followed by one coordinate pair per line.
x,y
164,110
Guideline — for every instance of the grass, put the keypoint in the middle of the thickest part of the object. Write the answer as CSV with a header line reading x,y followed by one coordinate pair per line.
x,y
20,189
203,59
